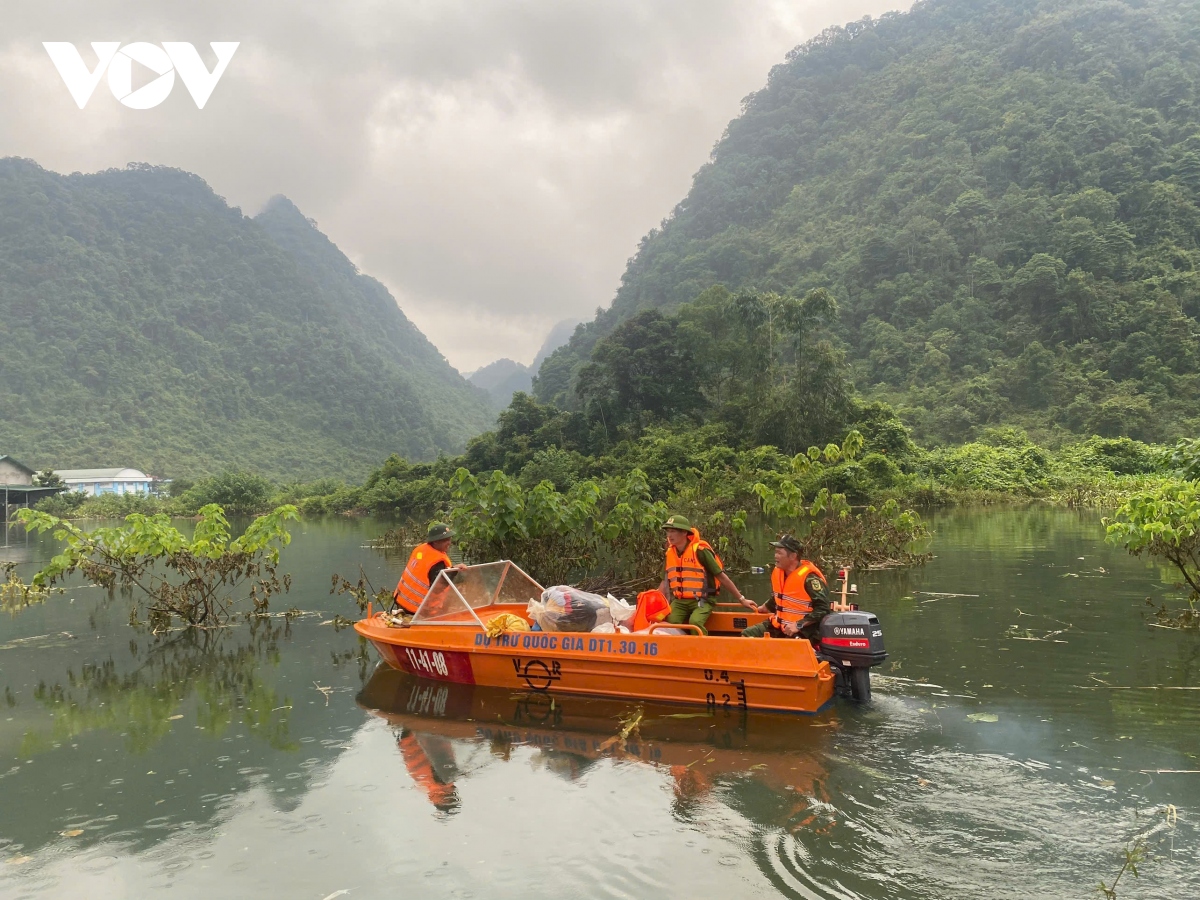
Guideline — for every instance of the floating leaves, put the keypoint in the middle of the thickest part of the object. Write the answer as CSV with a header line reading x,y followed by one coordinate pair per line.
x,y
984,717
629,725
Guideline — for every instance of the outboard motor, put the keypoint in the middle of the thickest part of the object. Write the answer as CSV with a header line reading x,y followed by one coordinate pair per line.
x,y
852,642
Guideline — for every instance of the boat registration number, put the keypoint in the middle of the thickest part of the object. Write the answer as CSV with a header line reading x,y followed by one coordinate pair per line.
x,y
447,666
589,643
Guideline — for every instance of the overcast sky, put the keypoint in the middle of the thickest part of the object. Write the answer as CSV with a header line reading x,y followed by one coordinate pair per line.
x,y
493,163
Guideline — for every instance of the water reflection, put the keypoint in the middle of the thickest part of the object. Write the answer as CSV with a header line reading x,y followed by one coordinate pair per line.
x,y
987,767
159,734
911,797
218,669
746,752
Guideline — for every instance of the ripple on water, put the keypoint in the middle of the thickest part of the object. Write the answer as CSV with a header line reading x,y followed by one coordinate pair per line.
x,y
928,804
96,864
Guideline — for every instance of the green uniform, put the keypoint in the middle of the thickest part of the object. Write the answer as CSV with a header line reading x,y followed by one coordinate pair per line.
x,y
696,612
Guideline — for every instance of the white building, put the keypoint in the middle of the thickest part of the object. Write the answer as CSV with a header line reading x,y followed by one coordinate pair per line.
x,y
106,481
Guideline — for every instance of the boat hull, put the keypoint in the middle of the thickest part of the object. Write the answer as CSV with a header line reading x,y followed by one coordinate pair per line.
x,y
715,672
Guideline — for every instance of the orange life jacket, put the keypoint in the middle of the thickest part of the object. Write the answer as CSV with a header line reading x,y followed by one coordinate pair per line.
x,y
792,602
420,769
686,577
414,581
652,607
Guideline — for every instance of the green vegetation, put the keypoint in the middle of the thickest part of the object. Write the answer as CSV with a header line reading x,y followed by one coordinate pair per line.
x,y
15,594
1001,196
701,468
1164,525
759,364
149,324
206,576
706,464
48,478
614,525
562,537
966,234
237,493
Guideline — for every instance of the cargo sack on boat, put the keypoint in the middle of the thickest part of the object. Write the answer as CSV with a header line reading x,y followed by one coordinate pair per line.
x,y
564,608
621,611
504,623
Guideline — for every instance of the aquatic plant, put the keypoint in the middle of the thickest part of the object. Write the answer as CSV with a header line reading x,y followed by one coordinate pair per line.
x,y
15,594
1164,524
198,581
1137,850
362,592
1135,854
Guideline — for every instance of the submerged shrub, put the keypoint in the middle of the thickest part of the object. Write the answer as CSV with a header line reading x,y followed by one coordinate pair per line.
x,y
236,492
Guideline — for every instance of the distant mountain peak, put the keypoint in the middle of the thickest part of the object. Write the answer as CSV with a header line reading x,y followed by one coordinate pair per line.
x,y
281,206
501,379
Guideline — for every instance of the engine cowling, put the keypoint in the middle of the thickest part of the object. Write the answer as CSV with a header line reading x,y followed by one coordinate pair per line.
x,y
853,639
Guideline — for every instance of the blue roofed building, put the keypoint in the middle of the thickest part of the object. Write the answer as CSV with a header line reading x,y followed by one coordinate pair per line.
x,y
95,482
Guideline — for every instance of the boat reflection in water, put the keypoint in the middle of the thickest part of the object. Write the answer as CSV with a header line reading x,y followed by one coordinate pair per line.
x,y
740,750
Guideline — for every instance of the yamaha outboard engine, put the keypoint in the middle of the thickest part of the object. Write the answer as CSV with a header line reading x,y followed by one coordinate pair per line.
x,y
852,642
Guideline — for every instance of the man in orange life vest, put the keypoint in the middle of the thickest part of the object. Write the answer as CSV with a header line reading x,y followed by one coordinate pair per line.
x,y
424,565
433,772
799,599
693,572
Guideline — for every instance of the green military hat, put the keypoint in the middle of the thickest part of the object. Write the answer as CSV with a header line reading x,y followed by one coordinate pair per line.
x,y
438,531
787,542
679,523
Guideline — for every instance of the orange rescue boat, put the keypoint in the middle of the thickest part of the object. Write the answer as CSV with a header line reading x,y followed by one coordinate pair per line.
x,y
446,640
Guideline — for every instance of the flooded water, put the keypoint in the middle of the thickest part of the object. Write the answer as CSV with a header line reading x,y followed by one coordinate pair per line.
x,y
1029,723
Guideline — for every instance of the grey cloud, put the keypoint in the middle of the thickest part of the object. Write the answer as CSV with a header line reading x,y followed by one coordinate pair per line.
x,y
493,163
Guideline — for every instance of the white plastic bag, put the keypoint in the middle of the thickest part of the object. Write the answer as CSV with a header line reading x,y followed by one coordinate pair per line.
x,y
564,608
622,612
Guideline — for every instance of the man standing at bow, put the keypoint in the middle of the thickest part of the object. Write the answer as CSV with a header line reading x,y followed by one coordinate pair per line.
x,y
693,572
799,598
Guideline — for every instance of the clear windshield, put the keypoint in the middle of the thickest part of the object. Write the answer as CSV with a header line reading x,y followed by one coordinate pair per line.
x,y
454,596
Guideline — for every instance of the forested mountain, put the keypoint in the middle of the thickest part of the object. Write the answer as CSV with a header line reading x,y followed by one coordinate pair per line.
x,y
1001,196
147,323
501,379
559,335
